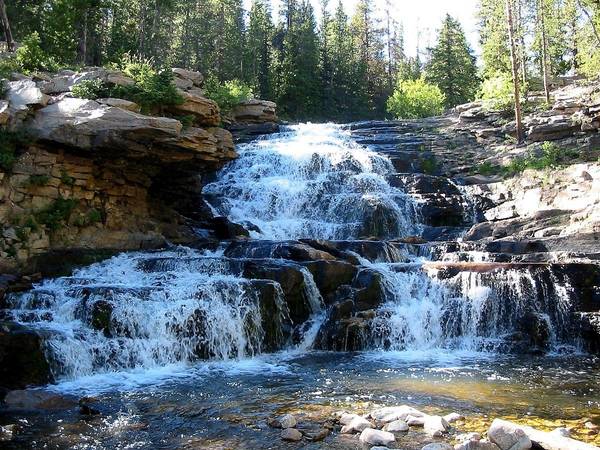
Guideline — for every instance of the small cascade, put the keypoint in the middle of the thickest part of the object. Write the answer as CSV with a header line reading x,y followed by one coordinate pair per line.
x,y
312,181
473,310
155,309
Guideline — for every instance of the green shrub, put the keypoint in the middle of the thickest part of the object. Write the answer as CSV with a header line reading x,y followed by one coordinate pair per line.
x,y
8,65
55,214
186,120
414,99
429,166
65,178
228,94
31,58
91,89
487,168
38,180
93,216
550,157
10,141
497,93
31,224
152,89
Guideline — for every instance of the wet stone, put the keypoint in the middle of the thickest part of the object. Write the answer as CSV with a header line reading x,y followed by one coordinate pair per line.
x,y
291,434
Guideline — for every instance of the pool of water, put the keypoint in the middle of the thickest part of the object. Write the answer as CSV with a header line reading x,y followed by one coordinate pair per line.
x,y
226,404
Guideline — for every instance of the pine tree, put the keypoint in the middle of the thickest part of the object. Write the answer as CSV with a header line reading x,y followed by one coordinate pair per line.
x,y
259,49
452,65
493,37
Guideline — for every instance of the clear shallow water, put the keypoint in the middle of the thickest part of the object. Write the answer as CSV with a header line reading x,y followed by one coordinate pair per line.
x,y
226,404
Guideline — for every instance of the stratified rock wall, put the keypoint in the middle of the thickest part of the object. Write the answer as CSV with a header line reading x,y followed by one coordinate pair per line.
x,y
100,175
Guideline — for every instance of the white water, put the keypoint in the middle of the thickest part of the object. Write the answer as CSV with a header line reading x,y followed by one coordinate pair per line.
x,y
173,308
312,182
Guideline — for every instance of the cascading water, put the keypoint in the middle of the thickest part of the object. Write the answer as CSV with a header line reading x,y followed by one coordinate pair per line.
x,y
148,310
312,181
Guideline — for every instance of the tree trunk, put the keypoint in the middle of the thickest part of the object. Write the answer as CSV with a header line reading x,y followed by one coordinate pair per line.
x,y
542,21
522,46
10,43
82,42
515,70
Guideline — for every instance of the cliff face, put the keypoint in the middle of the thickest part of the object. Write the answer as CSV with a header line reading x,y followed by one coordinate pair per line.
x,y
100,175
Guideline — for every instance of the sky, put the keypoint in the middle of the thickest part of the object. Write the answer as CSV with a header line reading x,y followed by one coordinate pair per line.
x,y
421,18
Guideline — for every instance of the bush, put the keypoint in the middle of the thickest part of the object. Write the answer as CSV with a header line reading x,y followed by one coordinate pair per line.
x,y
228,94
38,180
414,99
153,88
91,89
550,157
497,93
55,214
8,65
31,58
10,141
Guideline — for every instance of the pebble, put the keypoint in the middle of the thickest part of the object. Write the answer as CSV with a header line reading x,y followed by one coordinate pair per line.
x,y
468,437
319,435
288,421
562,432
377,437
591,426
396,426
291,434
392,413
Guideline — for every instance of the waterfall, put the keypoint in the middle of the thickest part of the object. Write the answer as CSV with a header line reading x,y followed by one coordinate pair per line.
x,y
145,310
312,181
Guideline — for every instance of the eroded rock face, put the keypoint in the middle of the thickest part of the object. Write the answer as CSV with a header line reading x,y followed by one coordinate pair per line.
x,y
204,110
255,111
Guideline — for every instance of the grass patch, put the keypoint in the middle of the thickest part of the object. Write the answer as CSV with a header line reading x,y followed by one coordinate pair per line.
x,y
65,178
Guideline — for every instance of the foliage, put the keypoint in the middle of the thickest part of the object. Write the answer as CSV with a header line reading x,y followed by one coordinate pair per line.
x,y
31,58
92,217
91,89
487,168
227,94
153,88
429,166
65,178
415,99
54,215
497,92
550,156
10,141
187,120
8,65
38,180
452,66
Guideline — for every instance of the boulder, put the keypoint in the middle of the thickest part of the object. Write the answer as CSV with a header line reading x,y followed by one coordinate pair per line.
x,y
508,436
377,437
438,446
195,77
475,444
453,417
397,426
288,421
393,413
255,111
356,425
204,110
24,93
291,435
435,426
226,229
120,103
37,399
22,358
65,80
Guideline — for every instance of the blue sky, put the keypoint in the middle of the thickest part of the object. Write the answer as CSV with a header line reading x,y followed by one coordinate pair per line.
x,y
421,18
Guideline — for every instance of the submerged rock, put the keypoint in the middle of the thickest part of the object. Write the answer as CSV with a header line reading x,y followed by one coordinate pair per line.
x,y
291,434
39,400
288,421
